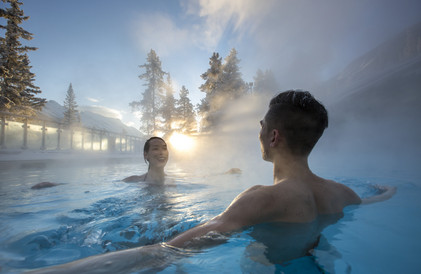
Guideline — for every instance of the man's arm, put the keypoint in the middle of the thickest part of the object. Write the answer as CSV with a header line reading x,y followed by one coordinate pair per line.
x,y
124,261
383,193
216,224
244,210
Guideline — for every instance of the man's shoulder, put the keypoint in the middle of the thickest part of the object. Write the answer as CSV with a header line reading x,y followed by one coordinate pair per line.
x,y
254,196
255,187
261,191
346,190
341,192
251,192
278,191
252,206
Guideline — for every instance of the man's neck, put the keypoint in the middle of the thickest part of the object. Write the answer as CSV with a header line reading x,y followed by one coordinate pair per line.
x,y
290,167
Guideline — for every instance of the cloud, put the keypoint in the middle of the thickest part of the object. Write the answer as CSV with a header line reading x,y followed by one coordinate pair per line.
x,y
104,111
157,31
92,99
219,15
204,25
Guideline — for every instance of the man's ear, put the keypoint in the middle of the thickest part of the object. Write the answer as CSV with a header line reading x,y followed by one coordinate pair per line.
x,y
275,138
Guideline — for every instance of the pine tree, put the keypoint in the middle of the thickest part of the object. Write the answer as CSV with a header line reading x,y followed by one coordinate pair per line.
x,y
265,83
233,86
71,114
212,79
211,87
168,109
186,112
152,96
17,90
223,84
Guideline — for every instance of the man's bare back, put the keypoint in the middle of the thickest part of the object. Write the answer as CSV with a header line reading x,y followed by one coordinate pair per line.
x,y
298,202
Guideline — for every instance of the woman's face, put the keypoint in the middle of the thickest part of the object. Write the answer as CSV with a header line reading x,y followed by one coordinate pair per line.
x,y
157,155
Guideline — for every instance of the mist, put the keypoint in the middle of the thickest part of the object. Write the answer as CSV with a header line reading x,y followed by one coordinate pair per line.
x,y
306,42
233,142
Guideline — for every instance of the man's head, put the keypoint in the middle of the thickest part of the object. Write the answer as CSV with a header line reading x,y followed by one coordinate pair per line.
x,y
298,117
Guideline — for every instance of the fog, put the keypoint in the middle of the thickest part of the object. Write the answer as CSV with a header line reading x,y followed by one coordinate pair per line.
x,y
373,107
307,42
233,143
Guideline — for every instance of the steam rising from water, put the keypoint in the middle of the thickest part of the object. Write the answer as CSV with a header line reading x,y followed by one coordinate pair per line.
x,y
375,139
233,143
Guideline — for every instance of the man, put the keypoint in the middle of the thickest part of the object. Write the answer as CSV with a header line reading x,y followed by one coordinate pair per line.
x,y
290,129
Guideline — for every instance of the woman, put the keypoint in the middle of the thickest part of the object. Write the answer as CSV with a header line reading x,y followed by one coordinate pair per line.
x,y
155,153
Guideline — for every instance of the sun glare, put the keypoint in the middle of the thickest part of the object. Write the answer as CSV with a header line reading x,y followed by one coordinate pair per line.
x,y
181,142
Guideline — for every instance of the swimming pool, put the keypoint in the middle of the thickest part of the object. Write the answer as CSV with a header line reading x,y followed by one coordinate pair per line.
x,y
94,212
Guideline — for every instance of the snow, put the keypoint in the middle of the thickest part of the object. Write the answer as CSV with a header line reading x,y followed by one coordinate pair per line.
x,y
96,121
55,112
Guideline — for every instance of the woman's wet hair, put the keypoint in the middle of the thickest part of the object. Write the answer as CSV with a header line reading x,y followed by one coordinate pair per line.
x,y
300,117
148,145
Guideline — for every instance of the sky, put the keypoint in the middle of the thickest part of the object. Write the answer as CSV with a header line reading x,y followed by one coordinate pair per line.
x,y
98,45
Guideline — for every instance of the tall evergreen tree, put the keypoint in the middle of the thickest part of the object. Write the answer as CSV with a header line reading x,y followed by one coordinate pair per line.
x,y
211,87
212,83
17,90
71,114
168,109
265,83
186,112
152,96
233,86
223,83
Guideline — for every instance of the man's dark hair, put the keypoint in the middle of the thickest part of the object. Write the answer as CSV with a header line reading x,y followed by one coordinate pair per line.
x,y
299,117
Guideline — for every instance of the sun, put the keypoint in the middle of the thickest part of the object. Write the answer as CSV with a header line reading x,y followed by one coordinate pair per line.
x,y
181,142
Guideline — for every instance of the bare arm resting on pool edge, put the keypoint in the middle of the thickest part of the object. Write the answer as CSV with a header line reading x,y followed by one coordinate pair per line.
x,y
123,261
233,218
384,193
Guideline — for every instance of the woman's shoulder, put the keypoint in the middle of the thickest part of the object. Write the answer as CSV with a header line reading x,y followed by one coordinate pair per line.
x,y
135,178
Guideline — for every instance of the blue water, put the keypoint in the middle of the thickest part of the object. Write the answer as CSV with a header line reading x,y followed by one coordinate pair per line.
x,y
94,212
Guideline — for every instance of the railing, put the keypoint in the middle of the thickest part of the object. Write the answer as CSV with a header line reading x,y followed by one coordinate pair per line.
x,y
24,132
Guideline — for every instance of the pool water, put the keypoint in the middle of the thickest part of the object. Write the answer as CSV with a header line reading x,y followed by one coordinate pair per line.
x,y
93,212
